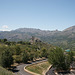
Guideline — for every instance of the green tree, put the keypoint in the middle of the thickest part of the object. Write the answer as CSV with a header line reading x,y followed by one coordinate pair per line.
x,y
0,40
8,42
6,58
18,50
58,59
4,40
31,56
71,56
17,58
44,52
25,57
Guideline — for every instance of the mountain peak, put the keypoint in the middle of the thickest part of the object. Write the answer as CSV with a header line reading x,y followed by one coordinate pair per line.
x,y
72,29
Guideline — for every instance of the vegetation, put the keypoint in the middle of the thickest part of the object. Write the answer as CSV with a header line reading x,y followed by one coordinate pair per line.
x,y
4,71
18,52
64,39
25,57
59,59
39,68
23,52
6,58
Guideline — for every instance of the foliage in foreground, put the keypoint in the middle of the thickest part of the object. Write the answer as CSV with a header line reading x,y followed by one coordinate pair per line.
x,y
4,71
59,59
25,51
22,52
6,58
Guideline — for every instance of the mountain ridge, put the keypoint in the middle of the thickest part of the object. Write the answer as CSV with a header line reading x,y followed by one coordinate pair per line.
x,y
56,37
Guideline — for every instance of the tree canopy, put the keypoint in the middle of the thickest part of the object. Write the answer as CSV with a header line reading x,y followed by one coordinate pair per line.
x,y
59,59
6,58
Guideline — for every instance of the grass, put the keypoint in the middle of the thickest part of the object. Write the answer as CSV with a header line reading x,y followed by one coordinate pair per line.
x,y
3,71
39,68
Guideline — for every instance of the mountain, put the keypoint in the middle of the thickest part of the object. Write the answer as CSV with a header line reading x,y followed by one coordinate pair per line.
x,y
26,34
72,29
64,39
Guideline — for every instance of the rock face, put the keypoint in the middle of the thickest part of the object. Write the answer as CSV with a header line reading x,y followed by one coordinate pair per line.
x,y
56,37
34,39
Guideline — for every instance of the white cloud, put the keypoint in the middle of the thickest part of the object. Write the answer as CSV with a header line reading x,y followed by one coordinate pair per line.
x,y
4,26
4,30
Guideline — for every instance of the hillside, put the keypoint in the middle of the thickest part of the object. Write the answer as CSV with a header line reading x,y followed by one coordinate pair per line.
x,y
65,38
26,34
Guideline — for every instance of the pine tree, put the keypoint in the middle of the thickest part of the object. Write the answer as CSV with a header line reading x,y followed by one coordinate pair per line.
x,y
6,58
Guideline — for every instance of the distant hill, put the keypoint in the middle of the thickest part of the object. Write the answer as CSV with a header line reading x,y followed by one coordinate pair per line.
x,y
65,38
26,34
72,29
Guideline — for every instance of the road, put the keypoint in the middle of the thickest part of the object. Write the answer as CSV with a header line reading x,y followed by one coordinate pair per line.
x,y
68,73
19,70
51,71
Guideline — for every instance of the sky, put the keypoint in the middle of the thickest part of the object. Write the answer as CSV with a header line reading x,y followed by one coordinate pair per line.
x,y
39,14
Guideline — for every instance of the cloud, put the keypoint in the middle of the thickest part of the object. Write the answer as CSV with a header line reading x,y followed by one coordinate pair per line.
x,y
4,30
4,26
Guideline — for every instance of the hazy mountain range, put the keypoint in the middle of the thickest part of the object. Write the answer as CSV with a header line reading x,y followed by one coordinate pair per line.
x,y
60,38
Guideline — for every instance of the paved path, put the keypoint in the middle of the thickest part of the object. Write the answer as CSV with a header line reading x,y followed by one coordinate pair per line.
x,y
19,70
51,71
69,73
